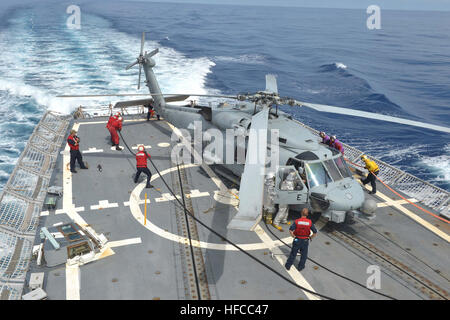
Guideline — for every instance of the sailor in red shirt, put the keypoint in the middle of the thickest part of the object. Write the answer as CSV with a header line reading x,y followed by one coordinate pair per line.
x,y
75,153
300,231
141,165
111,119
115,124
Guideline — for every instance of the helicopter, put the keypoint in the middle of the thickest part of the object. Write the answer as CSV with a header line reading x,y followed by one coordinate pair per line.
x,y
323,181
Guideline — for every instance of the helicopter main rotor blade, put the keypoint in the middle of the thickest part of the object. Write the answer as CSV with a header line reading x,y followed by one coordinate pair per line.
x,y
251,190
144,94
139,79
369,115
143,102
142,44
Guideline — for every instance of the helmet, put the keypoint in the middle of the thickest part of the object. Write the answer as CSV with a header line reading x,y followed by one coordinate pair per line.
x,y
270,175
321,133
333,138
117,114
141,148
291,176
363,157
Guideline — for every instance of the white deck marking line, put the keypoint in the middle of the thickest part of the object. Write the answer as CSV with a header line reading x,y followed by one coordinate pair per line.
x,y
135,148
281,258
166,197
72,282
139,216
126,242
44,213
163,144
61,211
413,216
195,193
401,201
262,235
141,201
100,122
72,272
92,150
104,204
114,148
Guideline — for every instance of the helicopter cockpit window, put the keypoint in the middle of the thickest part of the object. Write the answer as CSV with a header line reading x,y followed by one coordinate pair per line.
x,y
333,170
342,166
316,174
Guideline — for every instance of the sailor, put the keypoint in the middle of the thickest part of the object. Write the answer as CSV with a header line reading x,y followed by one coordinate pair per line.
x,y
269,197
325,138
335,143
116,125
283,209
301,231
111,129
111,119
141,165
75,153
373,169
151,111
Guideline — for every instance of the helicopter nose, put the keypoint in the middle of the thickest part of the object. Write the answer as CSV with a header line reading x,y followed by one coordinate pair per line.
x,y
347,197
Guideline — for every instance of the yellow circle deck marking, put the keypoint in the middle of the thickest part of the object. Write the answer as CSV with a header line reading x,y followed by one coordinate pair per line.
x,y
138,215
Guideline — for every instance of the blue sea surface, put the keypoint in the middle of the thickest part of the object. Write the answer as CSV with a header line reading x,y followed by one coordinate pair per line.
x,y
325,56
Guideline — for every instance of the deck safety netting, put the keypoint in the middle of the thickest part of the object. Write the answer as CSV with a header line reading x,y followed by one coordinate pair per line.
x,y
22,200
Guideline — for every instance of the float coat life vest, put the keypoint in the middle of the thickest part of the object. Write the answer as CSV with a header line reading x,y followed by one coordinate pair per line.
x,y
72,141
110,121
141,159
302,228
371,165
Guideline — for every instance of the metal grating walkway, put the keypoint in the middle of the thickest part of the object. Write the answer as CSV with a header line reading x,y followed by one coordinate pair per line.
x,y
22,199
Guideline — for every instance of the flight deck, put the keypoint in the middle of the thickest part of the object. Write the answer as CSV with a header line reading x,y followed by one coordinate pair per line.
x,y
145,245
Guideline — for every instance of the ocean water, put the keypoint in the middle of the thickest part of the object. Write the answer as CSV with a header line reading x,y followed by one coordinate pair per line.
x,y
325,56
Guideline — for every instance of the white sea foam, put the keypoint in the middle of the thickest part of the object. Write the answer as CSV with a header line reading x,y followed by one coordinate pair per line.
x,y
340,65
439,164
36,67
244,58
98,67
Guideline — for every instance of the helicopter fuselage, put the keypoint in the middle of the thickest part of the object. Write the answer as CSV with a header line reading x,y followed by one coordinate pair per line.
x,y
325,183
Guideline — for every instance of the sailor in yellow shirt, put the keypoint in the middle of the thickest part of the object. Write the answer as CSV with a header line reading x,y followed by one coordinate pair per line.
x,y
372,167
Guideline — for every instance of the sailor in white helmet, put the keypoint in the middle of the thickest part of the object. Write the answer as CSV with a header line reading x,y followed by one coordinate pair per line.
x,y
141,165
283,209
269,197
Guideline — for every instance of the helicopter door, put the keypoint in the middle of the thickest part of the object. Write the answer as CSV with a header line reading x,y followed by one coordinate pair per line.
x,y
297,196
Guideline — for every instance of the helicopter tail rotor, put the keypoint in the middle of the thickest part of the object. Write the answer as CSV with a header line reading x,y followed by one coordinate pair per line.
x,y
141,59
